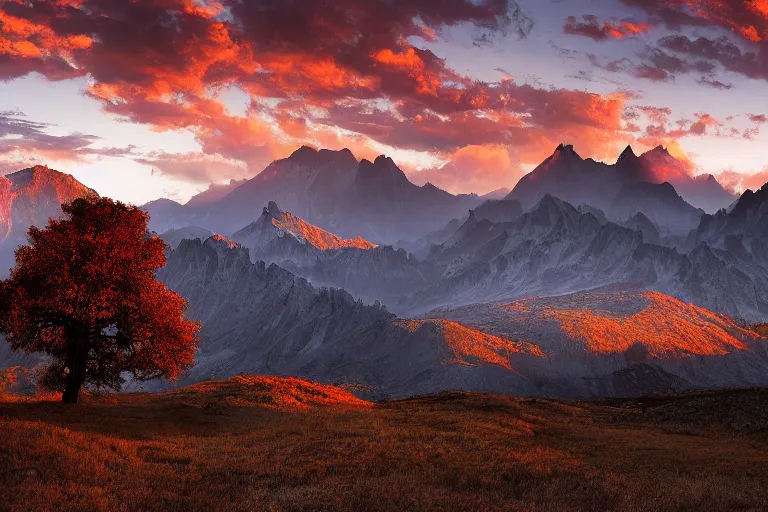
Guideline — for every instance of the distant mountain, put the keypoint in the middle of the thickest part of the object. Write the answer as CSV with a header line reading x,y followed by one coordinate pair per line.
x,y
499,210
578,181
742,231
173,237
499,193
643,224
494,210
567,176
166,215
275,223
365,270
554,249
29,198
331,190
659,203
213,193
703,191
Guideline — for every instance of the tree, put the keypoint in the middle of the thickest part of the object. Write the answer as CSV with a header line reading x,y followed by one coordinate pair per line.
x,y
84,292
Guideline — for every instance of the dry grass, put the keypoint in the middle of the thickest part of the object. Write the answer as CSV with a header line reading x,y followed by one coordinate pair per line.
x,y
220,447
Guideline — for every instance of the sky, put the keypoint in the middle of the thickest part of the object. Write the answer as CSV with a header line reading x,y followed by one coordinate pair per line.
x,y
145,99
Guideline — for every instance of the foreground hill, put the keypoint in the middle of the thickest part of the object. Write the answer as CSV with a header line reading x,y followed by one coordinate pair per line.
x,y
252,443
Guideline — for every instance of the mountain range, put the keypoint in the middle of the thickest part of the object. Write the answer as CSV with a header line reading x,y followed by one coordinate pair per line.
x,y
330,189
585,280
627,187
263,319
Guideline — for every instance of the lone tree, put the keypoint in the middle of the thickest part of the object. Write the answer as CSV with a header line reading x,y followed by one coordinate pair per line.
x,y
84,292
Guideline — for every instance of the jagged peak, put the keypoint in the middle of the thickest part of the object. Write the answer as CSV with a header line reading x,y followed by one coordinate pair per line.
x,y
565,150
218,240
640,217
382,160
381,167
627,154
749,200
271,210
660,150
550,201
304,151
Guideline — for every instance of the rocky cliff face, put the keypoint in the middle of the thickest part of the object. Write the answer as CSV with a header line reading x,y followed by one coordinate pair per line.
x,y
263,319
555,249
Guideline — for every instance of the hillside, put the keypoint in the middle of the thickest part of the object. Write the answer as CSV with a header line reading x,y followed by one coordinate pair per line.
x,y
251,443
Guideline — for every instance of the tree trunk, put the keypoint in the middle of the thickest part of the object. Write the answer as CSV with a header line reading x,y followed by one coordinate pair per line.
x,y
76,362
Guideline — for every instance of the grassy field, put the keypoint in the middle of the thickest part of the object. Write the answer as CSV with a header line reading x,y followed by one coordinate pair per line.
x,y
276,444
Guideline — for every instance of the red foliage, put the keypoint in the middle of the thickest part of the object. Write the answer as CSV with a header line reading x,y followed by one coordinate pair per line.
x,y
84,292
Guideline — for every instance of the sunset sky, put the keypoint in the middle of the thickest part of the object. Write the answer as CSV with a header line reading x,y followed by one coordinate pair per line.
x,y
142,99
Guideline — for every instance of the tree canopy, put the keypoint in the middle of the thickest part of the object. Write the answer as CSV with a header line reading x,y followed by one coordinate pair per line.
x,y
84,292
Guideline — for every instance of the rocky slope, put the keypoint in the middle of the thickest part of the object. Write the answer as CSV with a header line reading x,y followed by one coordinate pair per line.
x,y
263,319
275,223
555,249
365,270
742,230
622,344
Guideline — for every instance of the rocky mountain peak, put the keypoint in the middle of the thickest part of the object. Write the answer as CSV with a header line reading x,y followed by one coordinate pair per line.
x,y
218,240
628,155
271,210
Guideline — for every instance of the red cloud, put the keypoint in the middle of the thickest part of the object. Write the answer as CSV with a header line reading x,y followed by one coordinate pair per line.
x,y
343,73
590,26
747,19
739,182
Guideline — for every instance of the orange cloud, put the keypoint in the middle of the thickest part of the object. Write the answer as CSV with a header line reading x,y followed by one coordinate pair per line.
x,y
315,75
739,182
591,27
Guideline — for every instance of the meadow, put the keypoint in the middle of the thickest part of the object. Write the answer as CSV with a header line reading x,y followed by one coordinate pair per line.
x,y
254,443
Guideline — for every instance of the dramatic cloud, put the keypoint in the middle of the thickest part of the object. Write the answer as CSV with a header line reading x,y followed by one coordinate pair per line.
x,y
315,71
743,47
739,182
590,26
195,167
363,74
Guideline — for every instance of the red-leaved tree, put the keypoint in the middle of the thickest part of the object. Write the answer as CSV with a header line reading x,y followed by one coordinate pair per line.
x,y
84,292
